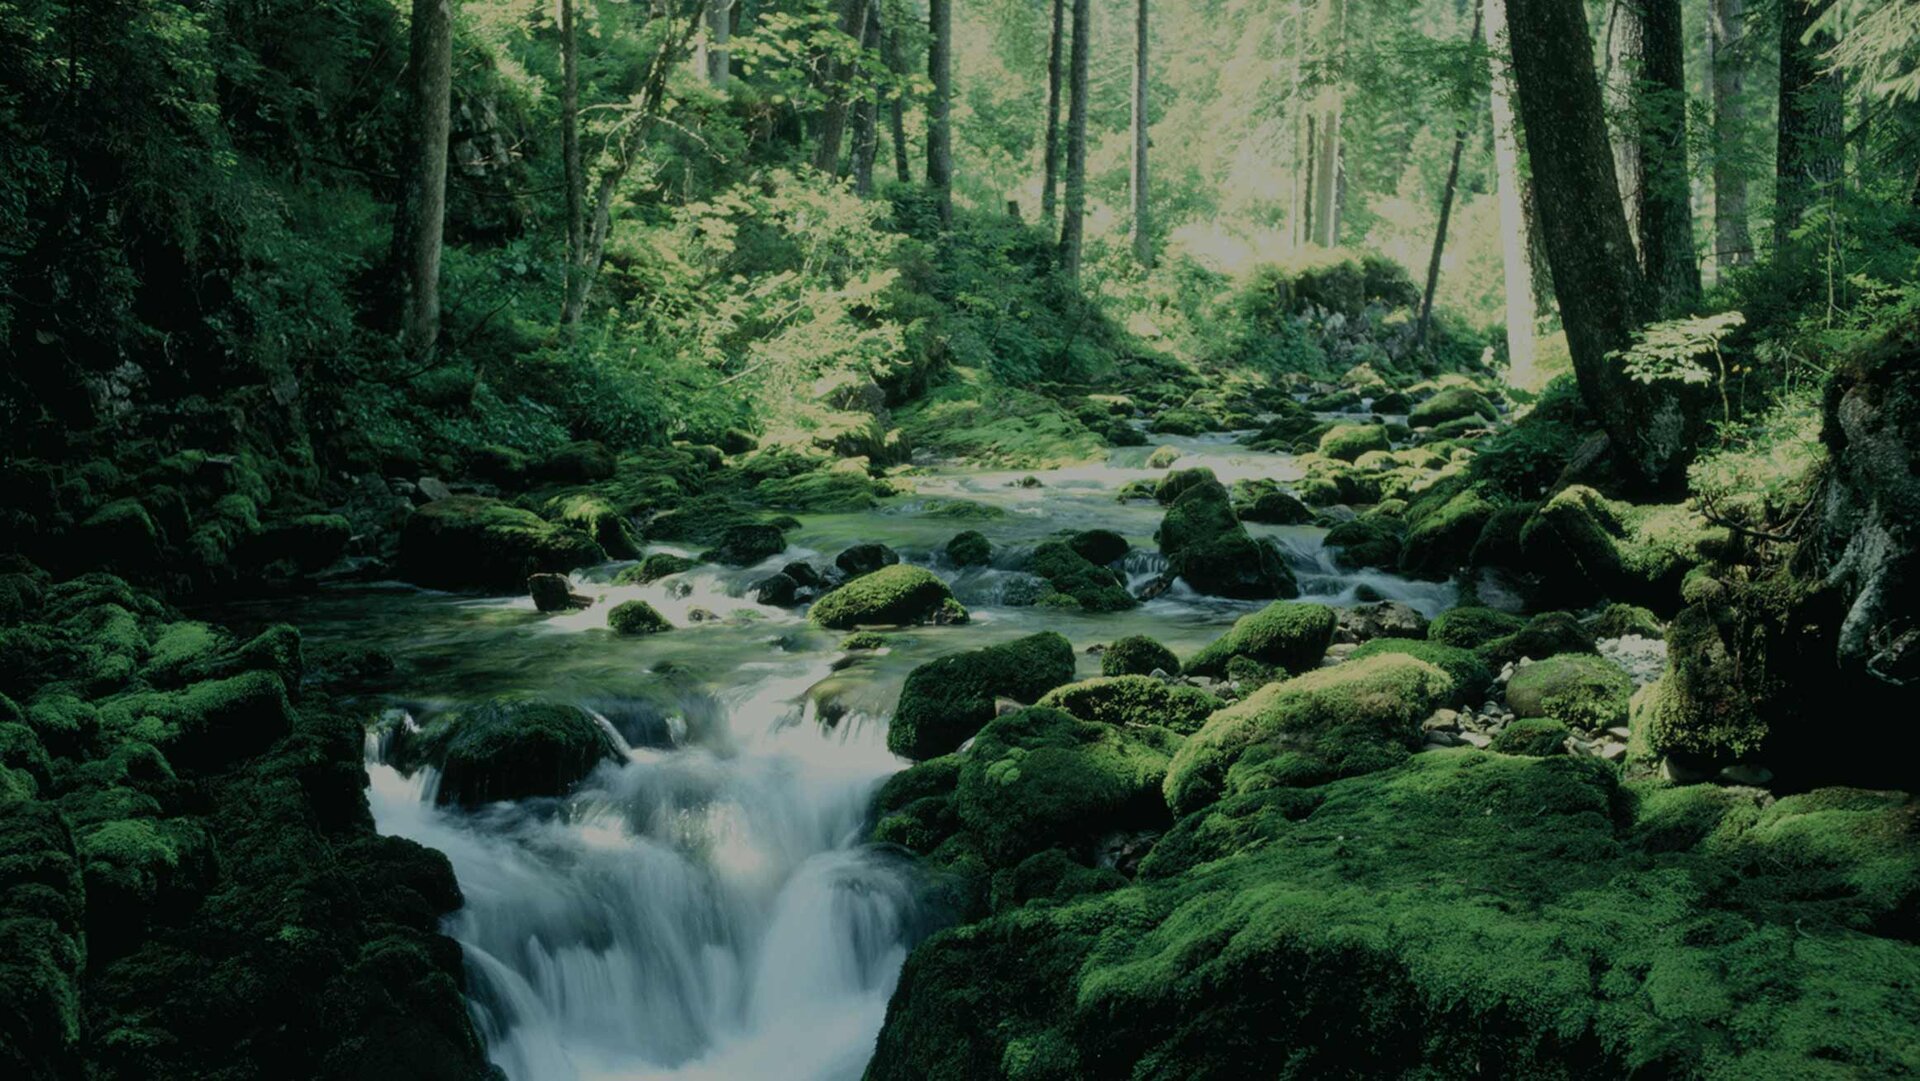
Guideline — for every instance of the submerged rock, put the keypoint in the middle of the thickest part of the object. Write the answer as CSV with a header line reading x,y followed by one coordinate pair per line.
x,y
747,544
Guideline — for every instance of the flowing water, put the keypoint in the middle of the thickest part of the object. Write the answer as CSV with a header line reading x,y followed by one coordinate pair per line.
x,y
705,908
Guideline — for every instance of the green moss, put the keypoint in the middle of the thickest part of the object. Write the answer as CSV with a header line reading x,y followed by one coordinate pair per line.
x,y
182,647
1163,457
1288,634
634,618
947,700
1039,778
1545,635
64,722
1102,547
595,515
1137,701
1183,422
969,549
1276,508
1580,689
306,542
1702,710
208,725
1441,542
1621,620
1137,655
1207,546
863,640
1352,718
1093,587
1453,403
577,463
121,535
1350,441
826,491
1052,875
1535,737
1470,675
1470,627
747,544
896,595
1367,541
654,567
508,748
469,541
1633,553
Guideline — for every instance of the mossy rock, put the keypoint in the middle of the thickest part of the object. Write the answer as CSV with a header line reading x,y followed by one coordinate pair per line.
x,y
1276,508
472,542
1580,689
577,463
1545,635
1622,620
1350,441
1139,701
1286,634
654,567
1635,553
1440,542
827,491
509,748
1092,587
970,549
945,701
1533,737
208,725
1102,547
1471,627
1471,676
863,640
1451,404
306,542
1700,711
747,544
1052,875
121,535
1352,718
631,619
1040,778
898,595
1163,457
1137,655
597,517
1367,541
1208,548
865,559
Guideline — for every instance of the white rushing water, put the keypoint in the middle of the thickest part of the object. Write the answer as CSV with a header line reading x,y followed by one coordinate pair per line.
x,y
699,912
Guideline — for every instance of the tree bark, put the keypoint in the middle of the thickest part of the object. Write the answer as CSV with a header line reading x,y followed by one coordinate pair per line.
x,y
897,110
834,78
1142,222
1056,57
424,207
1812,103
1446,205
1626,48
1726,30
1299,152
574,177
940,107
1603,295
1516,246
719,38
866,112
1666,204
1326,184
1073,224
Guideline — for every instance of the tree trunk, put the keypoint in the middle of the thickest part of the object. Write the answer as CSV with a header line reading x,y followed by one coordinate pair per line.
x,y
1056,56
1726,29
1666,205
1446,203
866,112
897,111
1326,183
833,120
1809,160
424,208
574,177
1142,223
1073,217
940,107
1603,294
719,38
1516,246
1298,149
1626,47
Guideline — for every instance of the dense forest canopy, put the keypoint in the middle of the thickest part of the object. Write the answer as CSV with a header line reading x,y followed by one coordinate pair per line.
x,y
965,538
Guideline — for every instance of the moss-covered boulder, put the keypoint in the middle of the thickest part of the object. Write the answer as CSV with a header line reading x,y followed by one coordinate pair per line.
x,y
1350,441
121,535
1471,676
945,701
577,463
655,566
1440,540
1545,635
631,619
1701,711
1092,587
1453,403
1137,655
468,542
1135,700
1040,778
1624,551
595,515
1371,540
1580,689
1276,508
1352,718
1533,737
1285,634
969,549
508,748
897,595
1208,548
1103,547
1622,620
207,725
1471,627
747,544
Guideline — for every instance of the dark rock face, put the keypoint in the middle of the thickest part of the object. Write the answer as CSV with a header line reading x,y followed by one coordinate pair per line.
x,y
509,748
472,542
554,593
865,559
745,545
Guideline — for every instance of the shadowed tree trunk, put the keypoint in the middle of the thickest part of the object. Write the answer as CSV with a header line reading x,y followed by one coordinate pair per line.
x,y
897,110
1726,29
719,38
1073,218
1666,206
1603,294
1326,184
835,77
423,209
1142,223
1446,196
1516,243
866,112
1300,142
1056,57
1812,106
574,176
1626,48
940,107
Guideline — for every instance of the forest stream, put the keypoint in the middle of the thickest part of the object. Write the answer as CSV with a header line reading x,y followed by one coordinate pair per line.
x,y
708,908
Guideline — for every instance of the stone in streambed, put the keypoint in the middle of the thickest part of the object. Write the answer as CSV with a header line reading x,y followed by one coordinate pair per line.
x,y
634,618
475,542
947,700
554,593
508,748
896,595
865,559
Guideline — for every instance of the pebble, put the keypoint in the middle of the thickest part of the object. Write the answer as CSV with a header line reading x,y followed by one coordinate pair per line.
x,y
1643,659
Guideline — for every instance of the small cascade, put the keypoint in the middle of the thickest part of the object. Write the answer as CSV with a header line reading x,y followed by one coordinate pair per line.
x,y
1324,581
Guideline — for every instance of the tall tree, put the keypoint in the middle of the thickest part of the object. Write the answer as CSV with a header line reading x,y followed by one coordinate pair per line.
x,y
1446,196
1646,83
1626,49
866,112
423,210
1326,155
1142,223
1603,295
1073,219
1516,243
1056,57
1726,34
897,107
1809,161
719,42
573,174
940,107
1299,176
837,77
